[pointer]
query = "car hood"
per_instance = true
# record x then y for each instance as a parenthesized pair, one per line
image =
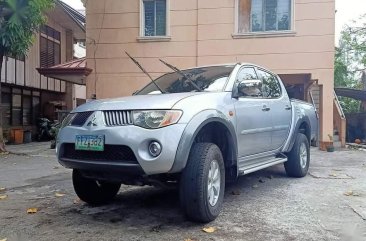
(136, 102)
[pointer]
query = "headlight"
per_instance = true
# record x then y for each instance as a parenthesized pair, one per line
(156, 118)
(67, 121)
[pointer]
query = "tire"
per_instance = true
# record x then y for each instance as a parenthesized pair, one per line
(197, 181)
(298, 161)
(92, 191)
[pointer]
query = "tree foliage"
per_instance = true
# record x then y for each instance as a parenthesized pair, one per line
(350, 61)
(341, 73)
(19, 20)
(354, 41)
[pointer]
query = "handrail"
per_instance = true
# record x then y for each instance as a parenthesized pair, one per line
(338, 105)
(313, 102)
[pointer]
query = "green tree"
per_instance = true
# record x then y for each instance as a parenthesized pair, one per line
(341, 73)
(19, 20)
(354, 39)
(350, 61)
(345, 77)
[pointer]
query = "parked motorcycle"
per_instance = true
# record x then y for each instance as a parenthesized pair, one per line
(54, 132)
(47, 131)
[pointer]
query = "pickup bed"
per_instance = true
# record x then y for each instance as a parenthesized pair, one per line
(196, 129)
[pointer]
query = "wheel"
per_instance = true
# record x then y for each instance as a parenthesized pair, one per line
(202, 183)
(298, 161)
(92, 191)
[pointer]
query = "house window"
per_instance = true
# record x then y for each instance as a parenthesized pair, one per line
(154, 17)
(36, 106)
(50, 47)
(264, 15)
(6, 102)
(27, 107)
(21, 107)
(16, 111)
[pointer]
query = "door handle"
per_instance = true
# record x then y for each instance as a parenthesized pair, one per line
(266, 108)
(288, 107)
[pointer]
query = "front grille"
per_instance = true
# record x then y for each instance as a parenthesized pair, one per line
(81, 118)
(117, 153)
(118, 117)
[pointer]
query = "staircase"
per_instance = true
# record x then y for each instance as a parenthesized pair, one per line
(336, 140)
(339, 120)
(315, 95)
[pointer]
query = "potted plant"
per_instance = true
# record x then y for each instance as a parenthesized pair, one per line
(330, 147)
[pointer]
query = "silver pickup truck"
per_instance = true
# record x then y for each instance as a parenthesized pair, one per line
(196, 128)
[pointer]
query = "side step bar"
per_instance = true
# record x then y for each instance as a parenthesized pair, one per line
(268, 163)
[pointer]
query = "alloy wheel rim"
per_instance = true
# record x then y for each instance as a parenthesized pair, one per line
(303, 155)
(214, 183)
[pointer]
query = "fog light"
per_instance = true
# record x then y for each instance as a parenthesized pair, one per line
(155, 148)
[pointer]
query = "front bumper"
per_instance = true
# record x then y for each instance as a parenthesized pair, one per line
(136, 138)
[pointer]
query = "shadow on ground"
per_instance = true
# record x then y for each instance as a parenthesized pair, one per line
(147, 206)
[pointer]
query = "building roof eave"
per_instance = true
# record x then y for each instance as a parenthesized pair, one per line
(73, 72)
(69, 18)
(75, 15)
(351, 93)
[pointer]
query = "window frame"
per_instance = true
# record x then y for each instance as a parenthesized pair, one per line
(55, 39)
(238, 34)
(26, 93)
(16, 92)
(142, 36)
(7, 106)
(12, 90)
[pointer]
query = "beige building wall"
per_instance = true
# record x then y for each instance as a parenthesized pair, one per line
(204, 32)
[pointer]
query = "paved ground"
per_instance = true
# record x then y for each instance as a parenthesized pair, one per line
(328, 204)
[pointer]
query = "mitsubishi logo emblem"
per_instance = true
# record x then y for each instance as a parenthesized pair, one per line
(95, 119)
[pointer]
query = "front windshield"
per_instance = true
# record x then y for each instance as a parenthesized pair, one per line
(210, 79)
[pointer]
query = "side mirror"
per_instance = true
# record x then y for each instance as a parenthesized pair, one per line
(251, 88)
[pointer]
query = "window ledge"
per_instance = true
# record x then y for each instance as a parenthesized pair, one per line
(154, 38)
(264, 34)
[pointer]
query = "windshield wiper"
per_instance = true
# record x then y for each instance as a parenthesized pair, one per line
(143, 70)
(175, 69)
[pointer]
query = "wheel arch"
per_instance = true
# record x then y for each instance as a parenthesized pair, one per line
(200, 123)
(305, 129)
(302, 126)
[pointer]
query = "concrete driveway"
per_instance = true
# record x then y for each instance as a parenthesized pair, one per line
(328, 204)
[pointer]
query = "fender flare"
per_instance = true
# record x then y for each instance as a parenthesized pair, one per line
(304, 119)
(193, 128)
